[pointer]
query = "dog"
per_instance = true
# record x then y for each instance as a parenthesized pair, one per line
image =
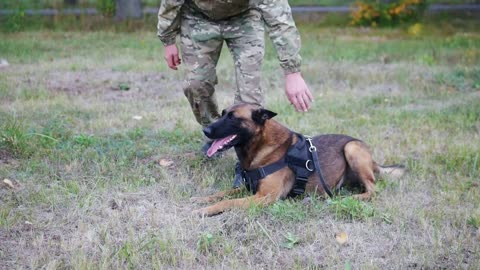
(260, 141)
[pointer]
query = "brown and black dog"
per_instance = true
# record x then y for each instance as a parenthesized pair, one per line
(259, 141)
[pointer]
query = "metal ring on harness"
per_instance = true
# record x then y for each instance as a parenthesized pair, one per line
(306, 165)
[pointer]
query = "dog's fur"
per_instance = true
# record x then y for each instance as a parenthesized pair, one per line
(260, 141)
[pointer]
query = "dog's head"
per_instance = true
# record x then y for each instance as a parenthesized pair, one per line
(238, 124)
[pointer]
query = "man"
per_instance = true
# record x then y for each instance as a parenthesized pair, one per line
(204, 25)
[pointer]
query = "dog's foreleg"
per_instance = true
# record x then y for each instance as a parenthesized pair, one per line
(236, 203)
(215, 197)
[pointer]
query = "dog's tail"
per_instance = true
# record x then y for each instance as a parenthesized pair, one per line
(392, 171)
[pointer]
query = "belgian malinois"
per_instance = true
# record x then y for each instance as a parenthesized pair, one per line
(259, 141)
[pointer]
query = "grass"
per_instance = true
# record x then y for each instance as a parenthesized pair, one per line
(83, 153)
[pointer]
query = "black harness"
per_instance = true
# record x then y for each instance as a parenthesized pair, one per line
(299, 159)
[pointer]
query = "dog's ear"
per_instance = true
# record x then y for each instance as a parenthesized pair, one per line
(261, 115)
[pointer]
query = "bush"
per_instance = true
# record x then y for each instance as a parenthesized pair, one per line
(380, 13)
(106, 7)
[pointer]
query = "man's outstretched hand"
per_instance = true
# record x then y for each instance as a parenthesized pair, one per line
(297, 92)
(171, 56)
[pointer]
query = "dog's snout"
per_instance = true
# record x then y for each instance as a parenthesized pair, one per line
(207, 131)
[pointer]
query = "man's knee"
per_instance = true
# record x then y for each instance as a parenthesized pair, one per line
(198, 89)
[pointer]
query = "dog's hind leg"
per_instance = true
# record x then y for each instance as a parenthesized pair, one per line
(215, 197)
(362, 165)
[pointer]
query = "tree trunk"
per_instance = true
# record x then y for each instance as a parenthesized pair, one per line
(129, 9)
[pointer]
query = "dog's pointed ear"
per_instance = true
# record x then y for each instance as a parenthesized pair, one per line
(261, 115)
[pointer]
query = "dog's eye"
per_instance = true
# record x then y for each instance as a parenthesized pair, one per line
(230, 115)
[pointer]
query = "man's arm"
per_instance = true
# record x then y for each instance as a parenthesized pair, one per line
(168, 28)
(278, 18)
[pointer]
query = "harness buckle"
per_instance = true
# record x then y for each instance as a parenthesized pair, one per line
(308, 167)
(312, 147)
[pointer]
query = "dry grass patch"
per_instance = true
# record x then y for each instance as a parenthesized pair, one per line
(103, 151)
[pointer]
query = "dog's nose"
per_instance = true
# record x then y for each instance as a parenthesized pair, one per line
(207, 131)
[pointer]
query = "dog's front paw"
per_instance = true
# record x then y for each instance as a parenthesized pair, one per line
(200, 199)
(200, 212)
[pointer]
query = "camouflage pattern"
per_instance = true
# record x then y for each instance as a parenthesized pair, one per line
(204, 26)
(201, 44)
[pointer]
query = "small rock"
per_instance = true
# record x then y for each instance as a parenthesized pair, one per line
(4, 63)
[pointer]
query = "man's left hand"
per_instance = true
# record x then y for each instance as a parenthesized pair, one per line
(297, 92)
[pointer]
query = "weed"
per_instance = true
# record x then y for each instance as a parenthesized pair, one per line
(290, 240)
(15, 138)
(474, 221)
(84, 140)
(288, 210)
(351, 209)
(205, 242)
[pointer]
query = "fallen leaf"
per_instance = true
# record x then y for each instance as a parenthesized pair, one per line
(341, 237)
(165, 162)
(137, 117)
(8, 183)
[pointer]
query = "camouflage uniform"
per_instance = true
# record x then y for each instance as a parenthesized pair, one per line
(205, 24)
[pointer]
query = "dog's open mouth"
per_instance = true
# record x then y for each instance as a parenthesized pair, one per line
(220, 145)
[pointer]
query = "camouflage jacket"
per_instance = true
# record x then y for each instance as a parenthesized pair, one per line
(276, 14)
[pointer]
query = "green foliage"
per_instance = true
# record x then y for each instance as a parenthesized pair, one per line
(290, 240)
(15, 138)
(351, 209)
(288, 210)
(381, 13)
(474, 221)
(124, 86)
(84, 140)
(205, 242)
(106, 7)
(460, 159)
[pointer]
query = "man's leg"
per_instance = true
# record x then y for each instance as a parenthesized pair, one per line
(245, 37)
(201, 44)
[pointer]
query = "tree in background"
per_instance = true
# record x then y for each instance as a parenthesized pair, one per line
(70, 2)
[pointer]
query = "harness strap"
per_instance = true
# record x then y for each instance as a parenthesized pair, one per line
(319, 170)
(253, 177)
(298, 163)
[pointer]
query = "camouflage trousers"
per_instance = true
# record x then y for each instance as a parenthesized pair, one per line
(201, 44)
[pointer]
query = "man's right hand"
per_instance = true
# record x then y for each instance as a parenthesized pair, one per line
(171, 56)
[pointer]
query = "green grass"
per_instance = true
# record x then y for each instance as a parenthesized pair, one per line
(90, 191)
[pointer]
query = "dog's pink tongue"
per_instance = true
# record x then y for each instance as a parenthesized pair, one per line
(216, 145)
